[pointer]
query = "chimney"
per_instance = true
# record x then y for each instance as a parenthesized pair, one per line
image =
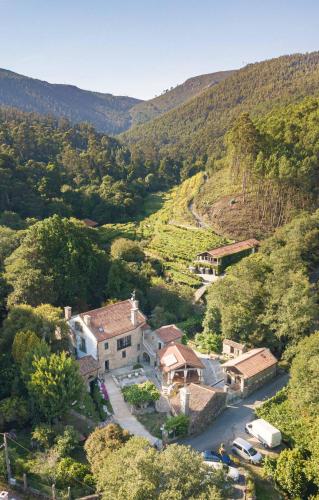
(67, 313)
(87, 319)
(134, 311)
(184, 395)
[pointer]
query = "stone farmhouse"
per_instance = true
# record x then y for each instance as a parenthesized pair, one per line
(117, 335)
(217, 260)
(249, 371)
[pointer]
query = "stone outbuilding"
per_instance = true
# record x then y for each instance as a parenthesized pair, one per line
(179, 364)
(89, 369)
(201, 403)
(248, 372)
(233, 349)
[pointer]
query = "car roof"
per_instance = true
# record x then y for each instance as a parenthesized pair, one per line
(242, 442)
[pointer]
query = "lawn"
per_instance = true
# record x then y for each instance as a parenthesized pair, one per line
(153, 423)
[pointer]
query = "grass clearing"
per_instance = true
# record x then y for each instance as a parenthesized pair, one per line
(153, 422)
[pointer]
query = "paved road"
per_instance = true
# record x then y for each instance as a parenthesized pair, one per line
(231, 423)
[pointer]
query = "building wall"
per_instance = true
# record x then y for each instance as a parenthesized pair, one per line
(90, 340)
(115, 357)
(253, 383)
(236, 351)
(203, 419)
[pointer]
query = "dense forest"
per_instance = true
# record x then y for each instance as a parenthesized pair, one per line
(50, 167)
(107, 113)
(196, 129)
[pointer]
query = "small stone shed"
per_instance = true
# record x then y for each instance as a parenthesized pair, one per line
(251, 370)
(88, 367)
(233, 349)
(201, 403)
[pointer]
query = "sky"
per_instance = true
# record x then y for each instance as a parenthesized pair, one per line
(141, 47)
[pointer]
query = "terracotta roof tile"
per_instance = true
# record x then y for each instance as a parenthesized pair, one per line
(90, 222)
(87, 365)
(233, 248)
(113, 320)
(174, 356)
(232, 343)
(252, 362)
(169, 333)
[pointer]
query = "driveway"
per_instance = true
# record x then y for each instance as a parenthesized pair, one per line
(231, 423)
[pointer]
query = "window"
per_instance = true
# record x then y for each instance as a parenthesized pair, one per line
(107, 365)
(106, 345)
(82, 345)
(78, 326)
(124, 342)
(232, 349)
(123, 354)
(138, 347)
(159, 346)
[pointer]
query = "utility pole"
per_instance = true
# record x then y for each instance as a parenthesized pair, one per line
(6, 452)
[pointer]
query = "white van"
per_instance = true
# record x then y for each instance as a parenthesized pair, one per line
(266, 433)
(246, 451)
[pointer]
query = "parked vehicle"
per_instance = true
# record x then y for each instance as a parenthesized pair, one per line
(214, 456)
(246, 451)
(267, 434)
(214, 460)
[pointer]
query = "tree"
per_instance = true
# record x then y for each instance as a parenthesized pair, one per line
(304, 381)
(14, 411)
(59, 262)
(43, 320)
(177, 425)
(140, 394)
(66, 443)
(23, 343)
(102, 442)
(290, 473)
(54, 384)
(136, 471)
(128, 250)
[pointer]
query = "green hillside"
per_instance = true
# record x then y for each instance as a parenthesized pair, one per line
(197, 127)
(170, 99)
(108, 113)
(266, 176)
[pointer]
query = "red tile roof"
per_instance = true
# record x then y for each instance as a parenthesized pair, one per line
(232, 248)
(200, 396)
(252, 362)
(90, 222)
(169, 333)
(113, 320)
(232, 343)
(175, 356)
(87, 365)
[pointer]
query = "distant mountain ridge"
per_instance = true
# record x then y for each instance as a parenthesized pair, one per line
(196, 128)
(147, 110)
(107, 113)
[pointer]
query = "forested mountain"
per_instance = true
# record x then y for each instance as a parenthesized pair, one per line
(197, 128)
(174, 97)
(48, 166)
(108, 113)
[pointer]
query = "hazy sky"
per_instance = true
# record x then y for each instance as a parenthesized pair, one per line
(140, 47)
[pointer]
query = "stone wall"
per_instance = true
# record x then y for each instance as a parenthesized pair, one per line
(259, 380)
(201, 420)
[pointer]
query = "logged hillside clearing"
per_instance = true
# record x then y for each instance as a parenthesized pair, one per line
(197, 128)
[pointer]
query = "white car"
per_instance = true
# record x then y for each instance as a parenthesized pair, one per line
(246, 451)
(231, 472)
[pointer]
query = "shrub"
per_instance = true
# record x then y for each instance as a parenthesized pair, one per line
(137, 366)
(177, 425)
(128, 250)
(139, 394)
(208, 342)
(70, 472)
(13, 411)
(67, 442)
(43, 434)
